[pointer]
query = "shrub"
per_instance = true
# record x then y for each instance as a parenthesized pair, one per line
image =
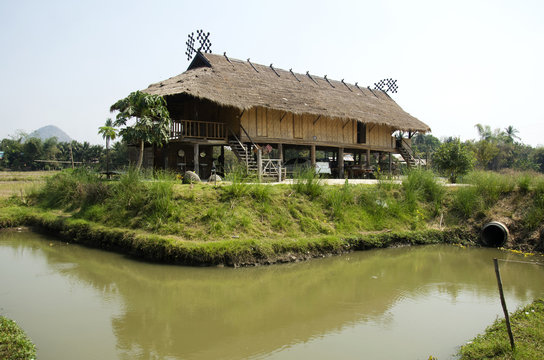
(453, 159)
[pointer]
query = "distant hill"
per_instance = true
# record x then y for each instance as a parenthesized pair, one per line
(50, 131)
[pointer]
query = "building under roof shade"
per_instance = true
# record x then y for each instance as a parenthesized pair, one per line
(221, 101)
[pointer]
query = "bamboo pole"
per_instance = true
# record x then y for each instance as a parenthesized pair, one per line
(503, 303)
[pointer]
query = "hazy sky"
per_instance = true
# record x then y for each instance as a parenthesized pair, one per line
(457, 63)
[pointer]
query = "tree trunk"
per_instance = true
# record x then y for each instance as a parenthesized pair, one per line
(108, 157)
(141, 155)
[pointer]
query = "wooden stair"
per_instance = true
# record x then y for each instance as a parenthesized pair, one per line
(407, 154)
(244, 154)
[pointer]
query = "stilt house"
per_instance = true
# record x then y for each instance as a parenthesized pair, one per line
(256, 109)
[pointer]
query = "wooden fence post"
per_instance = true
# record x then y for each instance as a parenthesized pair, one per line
(503, 303)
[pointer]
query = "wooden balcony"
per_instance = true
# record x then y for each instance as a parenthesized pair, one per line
(191, 129)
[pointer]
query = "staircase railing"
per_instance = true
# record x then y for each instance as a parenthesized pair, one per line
(246, 157)
(402, 143)
(253, 145)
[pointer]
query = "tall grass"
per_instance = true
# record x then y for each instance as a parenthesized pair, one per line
(422, 185)
(308, 182)
(72, 189)
(535, 214)
(239, 180)
(491, 185)
(337, 198)
(484, 189)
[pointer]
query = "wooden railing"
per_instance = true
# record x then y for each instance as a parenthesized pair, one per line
(182, 129)
(402, 143)
(273, 167)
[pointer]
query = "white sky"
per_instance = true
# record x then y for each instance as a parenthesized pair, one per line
(457, 63)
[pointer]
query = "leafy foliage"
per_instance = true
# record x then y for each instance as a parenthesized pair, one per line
(14, 344)
(152, 120)
(453, 159)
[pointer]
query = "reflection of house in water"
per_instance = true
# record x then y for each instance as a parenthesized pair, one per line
(260, 111)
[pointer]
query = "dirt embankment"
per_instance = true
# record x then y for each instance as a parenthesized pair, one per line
(513, 211)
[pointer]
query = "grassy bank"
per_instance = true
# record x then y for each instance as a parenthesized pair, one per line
(527, 328)
(14, 344)
(238, 223)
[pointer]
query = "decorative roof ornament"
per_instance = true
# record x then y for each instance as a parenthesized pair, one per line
(386, 85)
(203, 39)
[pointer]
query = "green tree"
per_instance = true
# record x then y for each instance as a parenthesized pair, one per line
(13, 150)
(484, 132)
(537, 158)
(511, 134)
(109, 133)
(424, 144)
(152, 120)
(485, 152)
(119, 154)
(453, 159)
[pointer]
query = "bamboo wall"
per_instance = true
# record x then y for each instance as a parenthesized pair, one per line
(264, 124)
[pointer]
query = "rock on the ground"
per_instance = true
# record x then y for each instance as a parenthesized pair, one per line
(190, 177)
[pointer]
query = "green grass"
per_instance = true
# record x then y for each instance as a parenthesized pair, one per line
(527, 328)
(14, 344)
(241, 212)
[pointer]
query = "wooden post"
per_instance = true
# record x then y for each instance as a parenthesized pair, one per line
(390, 165)
(196, 154)
(222, 160)
(503, 303)
(312, 156)
(368, 158)
(340, 163)
(259, 164)
(71, 156)
(280, 150)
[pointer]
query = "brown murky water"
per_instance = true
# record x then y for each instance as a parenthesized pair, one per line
(406, 303)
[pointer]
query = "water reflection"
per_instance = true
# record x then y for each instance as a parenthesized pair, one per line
(204, 313)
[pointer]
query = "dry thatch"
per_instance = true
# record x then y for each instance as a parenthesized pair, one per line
(244, 85)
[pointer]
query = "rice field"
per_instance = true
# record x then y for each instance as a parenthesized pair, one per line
(21, 182)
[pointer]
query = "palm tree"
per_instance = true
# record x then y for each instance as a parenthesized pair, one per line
(510, 133)
(152, 120)
(484, 132)
(108, 132)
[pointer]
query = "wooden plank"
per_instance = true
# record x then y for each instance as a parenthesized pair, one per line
(297, 127)
(261, 123)
(286, 127)
(308, 127)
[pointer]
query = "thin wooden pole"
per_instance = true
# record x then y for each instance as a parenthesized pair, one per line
(503, 303)
(340, 163)
(196, 154)
(390, 165)
(71, 156)
(259, 164)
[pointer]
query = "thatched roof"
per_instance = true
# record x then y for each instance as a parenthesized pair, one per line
(244, 85)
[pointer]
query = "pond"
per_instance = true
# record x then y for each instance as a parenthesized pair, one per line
(402, 303)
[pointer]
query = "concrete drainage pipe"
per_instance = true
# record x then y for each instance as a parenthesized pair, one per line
(494, 234)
